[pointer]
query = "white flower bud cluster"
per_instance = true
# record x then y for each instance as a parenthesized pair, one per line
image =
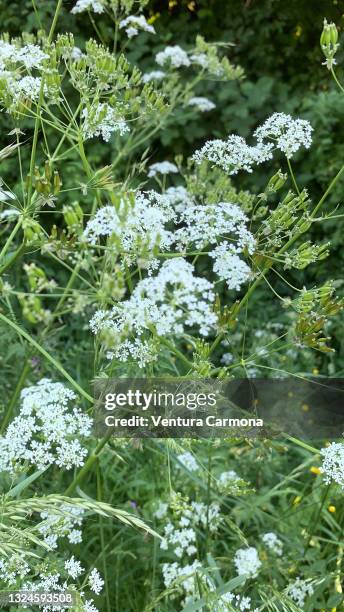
(188, 460)
(88, 5)
(246, 561)
(134, 23)
(299, 590)
(173, 56)
(154, 75)
(46, 431)
(333, 463)
(273, 543)
(102, 120)
(163, 168)
(202, 104)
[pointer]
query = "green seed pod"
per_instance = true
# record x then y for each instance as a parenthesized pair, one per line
(57, 182)
(277, 181)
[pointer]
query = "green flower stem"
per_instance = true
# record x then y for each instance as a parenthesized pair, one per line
(293, 176)
(21, 332)
(302, 444)
(11, 238)
(336, 80)
(15, 395)
(13, 258)
(177, 352)
(88, 465)
(39, 106)
(102, 540)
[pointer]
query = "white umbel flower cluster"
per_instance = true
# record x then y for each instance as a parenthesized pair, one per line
(185, 575)
(227, 478)
(31, 56)
(12, 568)
(154, 75)
(28, 88)
(168, 303)
(74, 567)
(286, 134)
(102, 120)
(188, 460)
(88, 5)
(237, 602)
(273, 543)
(64, 524)
(173, 56)
(202, 104)
(134, 225)
(135, 23)
(46, 431)
(229, 266)
(299, 590)
(333, 463)
(280, 131)
(204, 224)
(246, 561)
(163, 168)
(95, 581)
(233, 154)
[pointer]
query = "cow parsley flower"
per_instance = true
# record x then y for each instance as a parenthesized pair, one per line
(167, 303)
(202, 104)
(299, 590)
(236, 602)
(88, 606)
(182, 540)
(333, 463)
(164, 168)
(285, 133)
(31, 56)
(233, 154)
(174, 56)
(272, 542)
(88, 5)
(95, 581)
(46, 430)
(247, 562)
(173, 571)
(12, 568)
(188, 460)
(178, 197)
(229, 266)
(73, 567)
(154, 75)
(161, 510)
(227, 359)
(135, 226)
(206, 224)
(27, 87)
(227, 478)
(102, 120)
(56, 526)
(134, 23)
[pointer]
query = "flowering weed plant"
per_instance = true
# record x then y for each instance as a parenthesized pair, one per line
(117, 262)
